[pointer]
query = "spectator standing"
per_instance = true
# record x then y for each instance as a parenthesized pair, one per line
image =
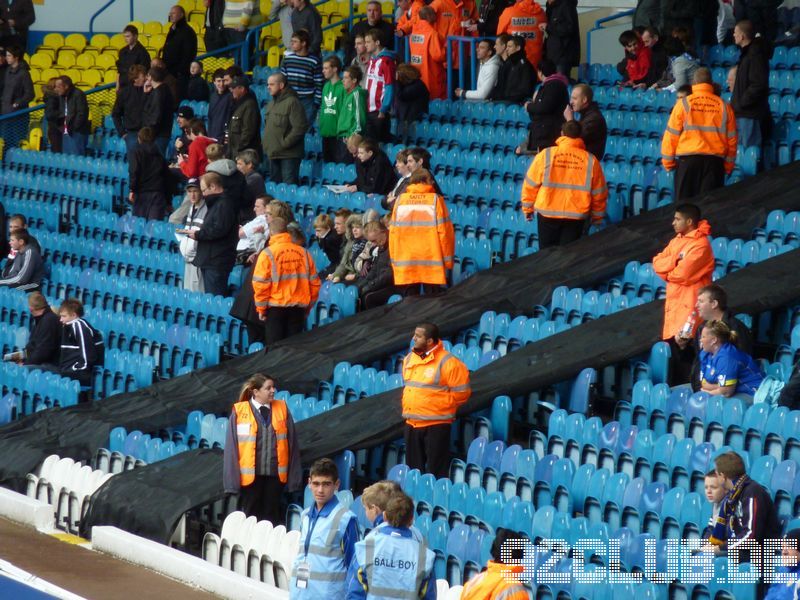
(285, 126)
(563, 43)
(750, 95)
(428, 53)
(374, 20)
(422, 240)
(499, 580)
(158, 107)
(17, 85)
(148, 175)
(648, 14)
(132, 53)
(262, 453)
(700, 140)
(214, 34)
(374, 172)
(192, 278)
(220, 104)
(52, 115)
(245, 121)
(303, 71)
(44, 344)
(195, 164)
(411, 100)
(489, 67)
(763, 14)
(16, 18)
(197, 89)
(679, 13)
(128, 110)
(246, 163)
(517, 78)
(436, 384)
(81, 344)
(281, 10)
(306, 16)
(583, 108)
(27, 270)
(328, 536)
(724, 369)
(169, 81)
(285, 284)
(376, 282)
(180, 48)
(239, 16)
(361, 58)
(73, 106)
(332, 100)
(393, 561)
(526, 19)
(546, 110)
(686, 264)
(217, 238)
(353, 113)
(380, 87)
(636, 64)
(565, 185)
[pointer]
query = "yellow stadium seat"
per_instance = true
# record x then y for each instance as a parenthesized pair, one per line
(48, 74)
(35, 139)
(110, 76)
(387, 8)
(92, 77)
(85, 61)
(36, 74)
(343, 8)
(47, 52)
(329, 40)
(75, 40)
(73, 74)
(139, 25)
(266, 6)
(197, 21)
(99, 41)
(105, 61)
(116, 41)
(152, 27)
(157, 40)
(65, 58)
(41, 60)
(274, 57)
(53, 40)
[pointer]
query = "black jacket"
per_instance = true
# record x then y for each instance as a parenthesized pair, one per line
(128, 109)
(755, 518)
(180, 49)
(659, 61)
(76, 108)
(79, 352)
(158, 110)
(197, 89)
(52, 113)
(380, 275)
(516, 80)
(750, 96)
(17, 89)
(563, 43)
(790, 394)
(147, 170)
(331, 245)
(44, 344)
(547, 114)
(217, 238)
(411, 100)
(679, 13)
(244, 126)
(376, 175)
(219, 113)
(648, 14)
(594, 131)
(21, 12)
(489, 15)
(362, 27)
(129, 57)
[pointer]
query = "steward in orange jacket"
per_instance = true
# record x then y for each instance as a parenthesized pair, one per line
(450, 14)
(525, 19)
(426, 48)
(686, 264)
(421, 235)
(436, 384)
(409, 17)
(565, 183)
(700, 139)
(501, 580)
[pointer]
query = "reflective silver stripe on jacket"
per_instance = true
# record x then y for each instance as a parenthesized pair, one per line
(419, 578)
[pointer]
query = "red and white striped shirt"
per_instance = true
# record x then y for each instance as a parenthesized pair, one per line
(380, 73)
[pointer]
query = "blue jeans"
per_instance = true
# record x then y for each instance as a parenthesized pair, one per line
(749, 132)
(311, 110)
(215, 281)
(130, 143)
(285, 170)
(74, 143)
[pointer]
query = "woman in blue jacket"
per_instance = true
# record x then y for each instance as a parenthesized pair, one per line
(724, 369)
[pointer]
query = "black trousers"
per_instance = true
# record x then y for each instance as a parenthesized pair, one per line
(282, 323)
(334, 150)
(377, 298)
(698, 174)
(378, 129)
(428, 449)
(262, 499)
(558, 232)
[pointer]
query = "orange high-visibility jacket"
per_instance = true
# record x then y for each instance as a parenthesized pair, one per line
(426, 48)
(449, 16)
(523, 19)
(247, 432)
(495, 583)
(435, 386)
(285, 275)
(700, 123)
(686, 264)
(410, 17)
(565, 182)
(421, 237)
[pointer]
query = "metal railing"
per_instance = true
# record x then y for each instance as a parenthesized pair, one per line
(599, 25)
(101, 10)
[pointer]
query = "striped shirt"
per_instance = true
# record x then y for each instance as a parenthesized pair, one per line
(240, 13)
(380, 82)
(305, 75)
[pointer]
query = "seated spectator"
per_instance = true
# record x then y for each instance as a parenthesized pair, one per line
(788, 569)
(715, 492)
(636, 64)
(253, 234)
(234, 182)
(149, 178)
(81, 344)
(374, 173)
(354, 246)
(658, 57)
(790, 394)
(724, 369)
(420, 158)
(18, 222)
(27, 269)
(517, 77)
(246, 163)
(411, 100)
(680, 69)
(378, 285)
(352, 143)
(195, 215)
(594, 130)
(129, 107)
(44, 344)
(197, 89)
(683, 91)
(353, 114)
(546, 110)
(401, 167)
(194, 165)
(328, 239)
(488, 70)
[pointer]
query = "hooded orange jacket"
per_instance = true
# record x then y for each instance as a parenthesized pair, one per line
(449, 16)
(421, 237)
(409, 18)
(524, 19)
(565, 182)
(700, 123)
(686, 264)
(495, 583)
(285, 275)
(426, 48)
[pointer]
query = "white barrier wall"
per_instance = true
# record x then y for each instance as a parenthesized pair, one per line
(27, 511)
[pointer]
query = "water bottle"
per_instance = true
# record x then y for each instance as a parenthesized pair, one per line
(688, 327)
